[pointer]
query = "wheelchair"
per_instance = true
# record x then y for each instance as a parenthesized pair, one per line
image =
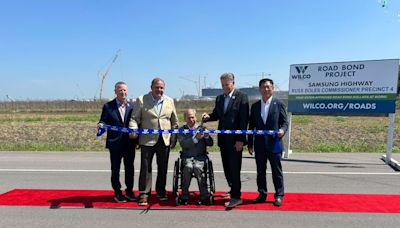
(177, 179)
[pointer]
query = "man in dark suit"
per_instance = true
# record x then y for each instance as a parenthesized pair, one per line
(232, 111)
(118, 113)
(269, 113)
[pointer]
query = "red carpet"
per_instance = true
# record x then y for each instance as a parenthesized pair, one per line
(319, 202)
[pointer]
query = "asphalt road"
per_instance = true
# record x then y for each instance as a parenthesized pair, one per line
(306, 172)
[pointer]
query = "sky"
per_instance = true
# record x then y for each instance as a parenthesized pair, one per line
(54, 49)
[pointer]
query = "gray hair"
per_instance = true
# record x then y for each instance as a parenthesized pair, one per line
(189, 110)
(119, 83)
(227, 76)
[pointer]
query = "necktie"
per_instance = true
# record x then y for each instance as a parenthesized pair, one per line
(226, 102)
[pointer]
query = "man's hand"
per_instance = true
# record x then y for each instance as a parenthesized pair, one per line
(205, 117)
(250, 149)
(172, 145)
(239, 146)
(100, 125)
(281, 133)
(173, 140)
(133, 135)
(199, 136)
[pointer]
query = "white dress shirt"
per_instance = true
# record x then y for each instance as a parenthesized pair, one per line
(122, 109)
(265, 109)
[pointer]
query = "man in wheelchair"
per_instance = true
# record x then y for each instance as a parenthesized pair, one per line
(194, 158)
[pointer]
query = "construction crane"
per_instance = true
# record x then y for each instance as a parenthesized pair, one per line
(103, 76)
(197, 84)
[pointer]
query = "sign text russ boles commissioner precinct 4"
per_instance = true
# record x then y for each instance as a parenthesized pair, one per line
(344, 87)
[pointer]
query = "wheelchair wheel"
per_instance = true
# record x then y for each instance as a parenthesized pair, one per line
(175, 179)
(177, 200)
(212, 199)
(211, 178)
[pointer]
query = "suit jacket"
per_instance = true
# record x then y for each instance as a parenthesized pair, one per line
(235, 118)
(276, 120)
(144, 115)
(110, 115)
(191, 149)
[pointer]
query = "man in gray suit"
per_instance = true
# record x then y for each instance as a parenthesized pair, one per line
(154, 111)
(194, 156)
(269, 113)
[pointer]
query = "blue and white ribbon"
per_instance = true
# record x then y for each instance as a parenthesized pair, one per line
(141, 131)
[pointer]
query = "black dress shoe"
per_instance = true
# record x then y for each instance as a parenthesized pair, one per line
(119, 198)
(183, 202)
(202, 202)
(278, 202)
(162, 197)
(131, 197)
(259, 199)
(233, 203)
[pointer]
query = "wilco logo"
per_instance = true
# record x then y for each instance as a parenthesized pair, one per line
(301, 70)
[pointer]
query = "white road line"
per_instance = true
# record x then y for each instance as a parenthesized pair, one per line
(170, 171)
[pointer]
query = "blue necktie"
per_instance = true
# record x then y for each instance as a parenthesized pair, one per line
(226, 102)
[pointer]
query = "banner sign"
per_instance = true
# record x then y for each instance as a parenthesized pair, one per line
(344, 87)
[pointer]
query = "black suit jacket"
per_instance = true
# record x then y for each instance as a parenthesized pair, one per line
(236, 116)
(276, 120)
(111, 116)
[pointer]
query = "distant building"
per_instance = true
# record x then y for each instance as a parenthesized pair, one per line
(210, 92)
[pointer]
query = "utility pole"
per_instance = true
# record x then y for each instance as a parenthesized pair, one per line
(197, 84)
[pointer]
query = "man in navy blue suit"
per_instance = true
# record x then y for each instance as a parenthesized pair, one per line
(269, 113)
(118, 113)
(232, 112)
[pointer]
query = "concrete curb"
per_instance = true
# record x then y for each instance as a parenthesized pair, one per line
(393, 163)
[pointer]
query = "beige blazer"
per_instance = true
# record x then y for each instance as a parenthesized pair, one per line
(144, 115)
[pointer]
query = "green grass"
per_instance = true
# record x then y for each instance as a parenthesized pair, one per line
(26, 119)
(301, 119)
(76, 118)
(341, 118)
(378, 129)
(64, 118)
(32, 147)
(345, 147)
(46, 147)
(370, 130)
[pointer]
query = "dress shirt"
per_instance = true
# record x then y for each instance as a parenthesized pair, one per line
(158, 104)
(122, 108)
(265, 109)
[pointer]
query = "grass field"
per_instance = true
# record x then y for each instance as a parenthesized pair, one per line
(63, 130)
